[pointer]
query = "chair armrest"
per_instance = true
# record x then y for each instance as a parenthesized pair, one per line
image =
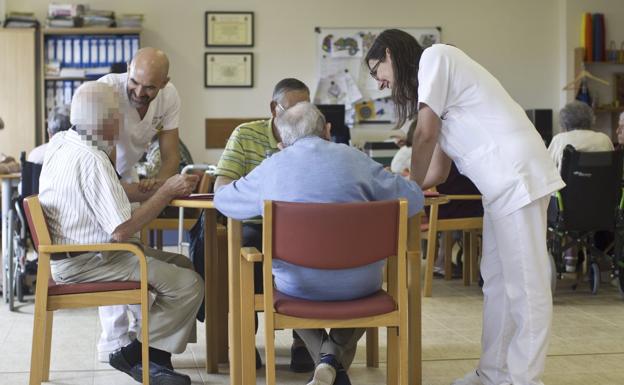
(251, 254)
(131, 247)
(464, 197)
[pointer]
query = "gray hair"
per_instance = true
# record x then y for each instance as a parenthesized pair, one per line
(287, 85)
(301, 120)
(58, 119)
(576, 115)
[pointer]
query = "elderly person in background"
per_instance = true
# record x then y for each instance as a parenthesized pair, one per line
(58, 120)
(620, 131)
(576, 120)
(310, 168)
(84, 202)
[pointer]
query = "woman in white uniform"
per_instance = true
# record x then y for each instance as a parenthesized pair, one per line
(465, 115)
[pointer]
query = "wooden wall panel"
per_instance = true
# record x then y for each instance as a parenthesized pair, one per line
(218, 130)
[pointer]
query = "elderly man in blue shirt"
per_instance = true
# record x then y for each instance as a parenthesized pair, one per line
(310, 168)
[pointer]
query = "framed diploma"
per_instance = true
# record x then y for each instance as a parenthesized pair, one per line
(228, 69)
(229, 29)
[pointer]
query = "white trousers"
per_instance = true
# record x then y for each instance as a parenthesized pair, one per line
(517, 308)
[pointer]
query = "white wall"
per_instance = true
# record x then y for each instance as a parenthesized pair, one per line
(518, 41)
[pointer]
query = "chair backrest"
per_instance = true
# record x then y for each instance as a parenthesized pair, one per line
(30, 176)
(334, 235)
(36, 221)
(591, 196)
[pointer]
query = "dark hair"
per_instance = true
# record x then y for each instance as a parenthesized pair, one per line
(405, 52)
(287, 85)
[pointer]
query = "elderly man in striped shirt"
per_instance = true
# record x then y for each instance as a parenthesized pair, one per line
(84, 202)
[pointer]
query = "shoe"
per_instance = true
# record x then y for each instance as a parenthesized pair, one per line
(471, 378)
(258, 360)
(342, 378)
(324, 374)
(159, 375)
(300, 359)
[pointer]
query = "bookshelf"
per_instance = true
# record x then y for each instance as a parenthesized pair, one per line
(607, 114)
(91, 56)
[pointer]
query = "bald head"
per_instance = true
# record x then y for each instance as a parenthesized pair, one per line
(147, 75)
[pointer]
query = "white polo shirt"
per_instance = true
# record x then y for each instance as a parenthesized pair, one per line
(486, 133)
(135, 134)
(79, 192)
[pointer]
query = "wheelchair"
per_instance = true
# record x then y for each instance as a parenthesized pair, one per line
(17, 267)
(589, 203)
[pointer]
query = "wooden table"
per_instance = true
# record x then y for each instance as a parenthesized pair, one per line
(9, 181)
(242, 305)
(215, 286)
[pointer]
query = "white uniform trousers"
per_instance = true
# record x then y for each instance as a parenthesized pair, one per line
(517, 308)
(178, 291)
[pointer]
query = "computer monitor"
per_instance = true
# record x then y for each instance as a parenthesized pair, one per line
(335, 114)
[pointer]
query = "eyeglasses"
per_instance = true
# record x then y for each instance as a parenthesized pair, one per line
(373, 71)
(280, 107)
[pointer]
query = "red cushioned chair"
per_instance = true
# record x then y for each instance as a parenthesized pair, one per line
(337, 236)
(50, 296)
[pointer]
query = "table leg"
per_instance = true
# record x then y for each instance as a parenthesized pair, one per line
(432, 236)
(234, 244)
(414, 302)
(6, 203)
(211, 290)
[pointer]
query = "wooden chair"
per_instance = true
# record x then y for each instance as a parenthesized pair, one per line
(51, 296)
(470, 226)
(334, 236)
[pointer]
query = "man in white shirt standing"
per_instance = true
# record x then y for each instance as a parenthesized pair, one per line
(149, 105)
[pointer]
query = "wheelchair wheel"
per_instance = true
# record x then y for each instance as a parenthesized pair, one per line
(554, 275)
(594, 277)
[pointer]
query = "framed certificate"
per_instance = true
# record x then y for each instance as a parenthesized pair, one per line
(228, 69)
(229, 29)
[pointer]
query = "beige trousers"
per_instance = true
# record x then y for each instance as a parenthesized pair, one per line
(178, 289)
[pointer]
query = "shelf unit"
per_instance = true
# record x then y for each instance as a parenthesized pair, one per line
(46, 33)
(606, 69)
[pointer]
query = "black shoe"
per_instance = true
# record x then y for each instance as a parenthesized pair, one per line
(300, 359)
(159, 375)
(258, 360)
(342, 378)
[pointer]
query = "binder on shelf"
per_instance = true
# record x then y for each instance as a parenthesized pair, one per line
(77, 42)
(50, 44)
(49, 95)
(59, 96)
(127, 48)
(102, 51)
(67, 89)
(69, 57)
(119, 56)
(135, 45)
(93, 56)
(110, 52)
(86, 49)
(60, 50)
(75, 86)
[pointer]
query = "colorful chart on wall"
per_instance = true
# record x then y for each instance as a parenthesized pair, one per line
(344, 79)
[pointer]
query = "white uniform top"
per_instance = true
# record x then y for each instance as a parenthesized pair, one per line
(80, 194)
(486, 133)
(581, 140)
(135, 134)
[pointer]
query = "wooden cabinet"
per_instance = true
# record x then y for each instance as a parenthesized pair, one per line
(18, 82)
(87, 45)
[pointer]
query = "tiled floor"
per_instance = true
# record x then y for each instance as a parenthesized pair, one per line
(587, 345)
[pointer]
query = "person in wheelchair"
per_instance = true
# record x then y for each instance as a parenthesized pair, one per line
(576, 120)
(58, 120)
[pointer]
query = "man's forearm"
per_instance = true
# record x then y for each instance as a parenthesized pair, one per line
(135, 195)
(142, 216)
